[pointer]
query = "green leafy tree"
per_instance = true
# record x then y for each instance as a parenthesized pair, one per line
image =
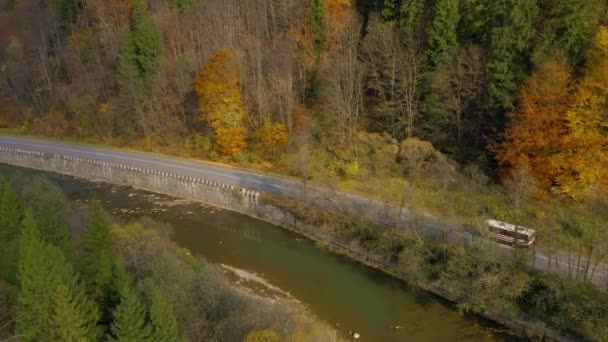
(130, 318)
(511, 34)
(163, 325)
(443, 38)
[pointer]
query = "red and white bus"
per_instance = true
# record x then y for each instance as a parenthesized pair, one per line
(510, 234)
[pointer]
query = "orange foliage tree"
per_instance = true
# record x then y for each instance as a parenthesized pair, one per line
(533, 138)
(271, 138)
(562, 136)
(221, 103)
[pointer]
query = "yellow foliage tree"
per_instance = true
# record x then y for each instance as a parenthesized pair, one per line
(271, 138)
(585, 154)
(559, 135)
(221, 103)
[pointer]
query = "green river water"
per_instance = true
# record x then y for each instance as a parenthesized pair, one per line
(347, 295)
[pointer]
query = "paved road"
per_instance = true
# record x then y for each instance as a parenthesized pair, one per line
(348, 204)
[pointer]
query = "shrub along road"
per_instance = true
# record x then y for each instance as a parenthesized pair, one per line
(351, 205)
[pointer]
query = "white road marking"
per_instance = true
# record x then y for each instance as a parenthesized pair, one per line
(150, 162)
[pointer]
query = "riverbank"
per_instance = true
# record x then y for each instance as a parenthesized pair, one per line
(292, 216)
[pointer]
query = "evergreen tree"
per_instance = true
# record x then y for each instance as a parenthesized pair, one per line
(475, 20)
(444, 36)
(317, 18)
(69, 323)
(68, 11)
(42, 269)
(50, 207)
(570, 28)
(147, 42)
(510, 38)
(130, 318)
(410, 19)
(11, 214)
(163, 324)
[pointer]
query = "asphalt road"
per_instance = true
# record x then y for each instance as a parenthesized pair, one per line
(349, 204)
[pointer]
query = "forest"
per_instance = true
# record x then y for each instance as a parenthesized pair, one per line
(72, 272)
(464, 109)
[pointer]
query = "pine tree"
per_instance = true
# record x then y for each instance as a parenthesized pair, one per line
(50, 207)
(163, 324)
(475, 20)
(147, 42)
(317, 18)
(570, 28)
(444, 36)
(130, 318)
(69, 323)
(42, 269)
(410, 19)
(11, 215)
(510, 38)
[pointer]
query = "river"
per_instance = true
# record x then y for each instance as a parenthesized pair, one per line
(347, 295)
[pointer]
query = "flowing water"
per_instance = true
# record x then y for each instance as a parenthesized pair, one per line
(347, 295)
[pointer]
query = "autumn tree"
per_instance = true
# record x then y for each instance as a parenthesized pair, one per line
(395, 75)
(221, 104)
(455, 103)
(271, 138)
(534, 136)
(584, 155)
(344, 87)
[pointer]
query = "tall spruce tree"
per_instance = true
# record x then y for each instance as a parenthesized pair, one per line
(42, 269)
(508, 56)
(163, 325)
(147, 42)
(317, 19)
(130, 318)
(69, 321)
(99, 265)
(444, 36)
(50, 207)
(11, 215)
(570, 28)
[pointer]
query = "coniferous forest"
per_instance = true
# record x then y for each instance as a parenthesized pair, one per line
(72, 272)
